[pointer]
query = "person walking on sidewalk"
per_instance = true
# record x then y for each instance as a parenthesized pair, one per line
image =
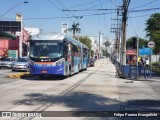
(140, 65)
(147, 62)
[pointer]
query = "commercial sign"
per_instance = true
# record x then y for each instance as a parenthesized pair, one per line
(13, 53)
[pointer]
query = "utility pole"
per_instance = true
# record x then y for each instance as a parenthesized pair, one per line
(100, 52)
(137, 55)
(19, 18)
(116, 29)
(118, 35)
(124, 21)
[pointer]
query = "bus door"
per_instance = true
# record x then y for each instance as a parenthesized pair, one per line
(68, 56)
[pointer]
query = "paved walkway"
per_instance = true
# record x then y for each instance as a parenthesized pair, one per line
(139, 95)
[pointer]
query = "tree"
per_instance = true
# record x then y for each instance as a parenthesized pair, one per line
(142, 42)
(153, 30)
(107, 43)
(75, 28)
(105, 53)
(87, 41)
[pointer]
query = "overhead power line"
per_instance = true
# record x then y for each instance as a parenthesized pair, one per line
(143, 10)
(140, 10)
(145, 4)
(88, 9)
(58, 9)
(113, 3)
(82, 4)
(54, 5)
(68, 16)
(97, 13)
(99, 4)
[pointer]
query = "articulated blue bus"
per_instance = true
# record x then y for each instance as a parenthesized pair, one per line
(57, 54)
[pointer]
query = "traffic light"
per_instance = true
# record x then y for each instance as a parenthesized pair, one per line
(134, 43)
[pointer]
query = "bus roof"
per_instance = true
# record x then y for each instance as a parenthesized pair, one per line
(56, 36)
(48, 36)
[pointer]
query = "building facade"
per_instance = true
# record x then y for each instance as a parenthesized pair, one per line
(10, 41)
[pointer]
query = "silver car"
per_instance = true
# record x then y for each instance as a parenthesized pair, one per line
(21, 64)
(6, 62)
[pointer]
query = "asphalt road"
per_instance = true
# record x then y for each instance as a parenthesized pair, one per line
(3, 74)
(96, 89)
(85, 91)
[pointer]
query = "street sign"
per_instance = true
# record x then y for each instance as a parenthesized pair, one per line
(13, 53)
(151, 44)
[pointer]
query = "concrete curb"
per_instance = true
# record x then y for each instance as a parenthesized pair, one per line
(120, 75)
(18, 75)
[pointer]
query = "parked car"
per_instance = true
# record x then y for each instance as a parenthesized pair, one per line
(21, 64)
(7, 62)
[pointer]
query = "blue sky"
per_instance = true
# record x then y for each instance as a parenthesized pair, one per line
(48, 15)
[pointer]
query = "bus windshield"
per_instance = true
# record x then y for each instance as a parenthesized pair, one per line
(45, 49)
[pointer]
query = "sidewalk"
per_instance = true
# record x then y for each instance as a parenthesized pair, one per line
(139, 95)
(145, 74)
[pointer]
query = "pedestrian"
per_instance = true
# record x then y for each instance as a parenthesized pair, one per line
(147, 62)
(144, 61)
(140, 65)
(127, 59)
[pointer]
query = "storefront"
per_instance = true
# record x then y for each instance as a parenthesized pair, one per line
(130, 56)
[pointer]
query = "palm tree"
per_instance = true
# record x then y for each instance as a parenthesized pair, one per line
(75, 28)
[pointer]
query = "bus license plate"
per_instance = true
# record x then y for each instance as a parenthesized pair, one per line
(44, 71)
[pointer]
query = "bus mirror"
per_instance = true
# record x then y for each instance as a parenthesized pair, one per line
(67, 42)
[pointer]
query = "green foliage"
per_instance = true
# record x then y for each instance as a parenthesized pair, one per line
(142, 42)
(153, 24)
(87, 41)
(153, 30)
(74, 29)
(105, 53)
(156, 63)
(107, 43)
(156, 67)
(92, 52)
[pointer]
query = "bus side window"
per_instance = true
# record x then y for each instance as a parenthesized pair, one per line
(66, 51)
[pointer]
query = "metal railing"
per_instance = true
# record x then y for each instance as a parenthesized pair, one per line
(142, 72)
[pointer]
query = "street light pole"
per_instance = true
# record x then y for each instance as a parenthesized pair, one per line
(100, 42)
(21, 34)
(124, 26)
(137, 54)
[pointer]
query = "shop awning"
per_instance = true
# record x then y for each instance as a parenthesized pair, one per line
(130, 52)
(8, 35)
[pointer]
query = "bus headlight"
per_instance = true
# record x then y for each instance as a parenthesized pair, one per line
(59, 62)
(31, 62)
